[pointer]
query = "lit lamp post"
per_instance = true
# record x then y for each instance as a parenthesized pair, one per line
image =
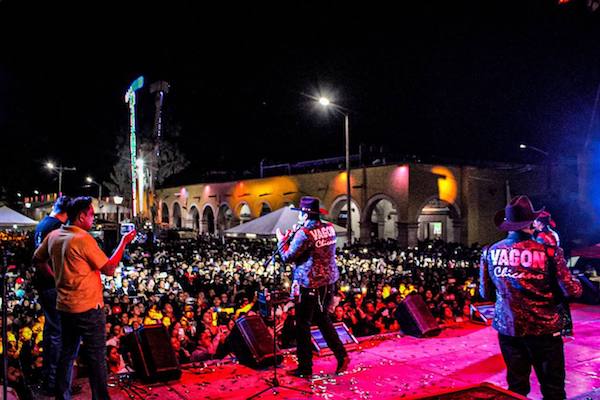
(90, 180)
(325, 102)
(118, 201)
(130, 99)
(140, 180)
(524, 146)
(59, 169)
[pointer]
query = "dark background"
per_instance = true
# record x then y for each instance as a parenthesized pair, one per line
(457, 81)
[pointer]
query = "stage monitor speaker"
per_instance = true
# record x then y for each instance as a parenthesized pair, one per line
(252, 343)
(482, 313)
(415, 318)
(475, 392)
(320, 346)
(151, 354)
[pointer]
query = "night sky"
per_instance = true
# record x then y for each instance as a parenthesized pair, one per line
(459, 82)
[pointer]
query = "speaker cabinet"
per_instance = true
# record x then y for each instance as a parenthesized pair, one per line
(252, 343)
(153, 358)
(415, 318)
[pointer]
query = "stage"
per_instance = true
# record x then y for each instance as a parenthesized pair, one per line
(390, 367)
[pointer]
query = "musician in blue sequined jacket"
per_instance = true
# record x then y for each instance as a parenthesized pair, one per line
(312, 249)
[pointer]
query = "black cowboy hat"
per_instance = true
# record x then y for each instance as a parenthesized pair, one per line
(517, 215)
(310, 205)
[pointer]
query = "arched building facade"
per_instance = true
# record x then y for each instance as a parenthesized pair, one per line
(407, 202)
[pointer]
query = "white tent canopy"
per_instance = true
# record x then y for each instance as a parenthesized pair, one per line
(284, 219)
(10, 218)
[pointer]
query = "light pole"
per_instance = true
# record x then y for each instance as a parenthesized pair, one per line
(118, 200)
(130, 99)
(140, 179)
(524, 146)
(59, 169)
(89, 179)
(325, 102)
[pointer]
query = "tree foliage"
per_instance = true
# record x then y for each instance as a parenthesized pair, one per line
(170, 162)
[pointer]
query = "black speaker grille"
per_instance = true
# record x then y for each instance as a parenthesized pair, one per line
(415, 319)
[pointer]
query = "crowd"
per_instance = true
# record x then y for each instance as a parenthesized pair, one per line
(197, 288)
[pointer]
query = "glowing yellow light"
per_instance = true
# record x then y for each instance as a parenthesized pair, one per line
(447, 184)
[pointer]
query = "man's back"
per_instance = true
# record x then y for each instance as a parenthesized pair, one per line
(313, 251)
(518, 269)
(46, 225)
(77, 260)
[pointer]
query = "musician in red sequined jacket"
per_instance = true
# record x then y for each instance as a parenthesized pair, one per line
(528, 279)
(517, 272)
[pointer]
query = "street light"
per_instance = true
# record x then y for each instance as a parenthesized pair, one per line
(527, 146)
(118, 200)
(325, 102)
(130, 98)
(524, 146)
(60, 169)
(89, 179)
(140, 179)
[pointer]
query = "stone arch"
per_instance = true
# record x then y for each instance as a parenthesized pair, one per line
(244, 212)
(176, 215)
(208, 220)
(380, 218)
(339, 210)
(225, 218)
(194, 218)
(265, 208)
(439, 220)
(164, 213)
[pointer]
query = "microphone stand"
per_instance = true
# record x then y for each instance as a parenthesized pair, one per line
(274, 384)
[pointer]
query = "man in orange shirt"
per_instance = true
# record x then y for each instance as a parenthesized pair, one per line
(77, 262)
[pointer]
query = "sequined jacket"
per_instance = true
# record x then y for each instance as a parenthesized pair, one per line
(312, 249)
(526, 278)
(548, 237)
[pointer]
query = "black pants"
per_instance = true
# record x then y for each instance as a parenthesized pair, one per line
(312, 310)
(545, 354)
(52, 337)
(91, 327)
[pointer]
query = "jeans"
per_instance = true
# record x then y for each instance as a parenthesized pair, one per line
(312, 309)
(51, 342)
(546, 355)
(91, 327)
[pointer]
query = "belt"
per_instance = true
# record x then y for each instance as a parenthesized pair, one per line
(320, 292)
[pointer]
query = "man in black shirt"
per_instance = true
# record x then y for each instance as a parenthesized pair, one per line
(43, 281)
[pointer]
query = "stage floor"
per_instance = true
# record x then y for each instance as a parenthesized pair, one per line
(390, 368)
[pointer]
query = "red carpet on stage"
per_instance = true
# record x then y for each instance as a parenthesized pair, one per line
(393, 367)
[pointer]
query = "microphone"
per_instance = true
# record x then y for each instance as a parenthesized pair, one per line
(290, 233)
